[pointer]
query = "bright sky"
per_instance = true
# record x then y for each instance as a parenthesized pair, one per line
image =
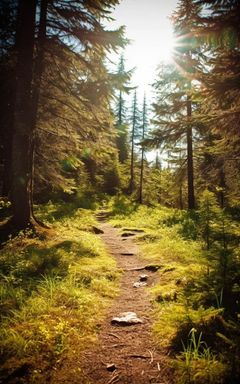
(149, 29)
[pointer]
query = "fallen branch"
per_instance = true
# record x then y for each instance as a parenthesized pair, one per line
(113, 334)
(150, 267)
(138, 356)
(134, 269)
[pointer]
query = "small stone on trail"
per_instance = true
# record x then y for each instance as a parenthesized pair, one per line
(111, 367)
(153, 268)
(127, 254)
(97, 230)
(126, 318)
(127, 234)
(133, 230)
(139, 284)
(143, 277)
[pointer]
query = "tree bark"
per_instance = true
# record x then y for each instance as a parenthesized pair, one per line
(39, 69)
(22, 130)
(191, 198)
(6, 183)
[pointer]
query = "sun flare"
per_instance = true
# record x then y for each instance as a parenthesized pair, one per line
(151, 37)
(146, 54)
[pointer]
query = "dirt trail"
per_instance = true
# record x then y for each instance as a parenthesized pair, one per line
(130, 348)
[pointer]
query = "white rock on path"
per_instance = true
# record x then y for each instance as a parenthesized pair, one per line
(139, 284)
(126, 318)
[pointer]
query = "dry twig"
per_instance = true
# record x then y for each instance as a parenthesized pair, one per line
(113, 334)
(114, 378)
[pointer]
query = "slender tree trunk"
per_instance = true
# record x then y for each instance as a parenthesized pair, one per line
(158, 166)
(120, 108)
(180, 182)
(134, 121)
(191, 198)
(132, 164)
(141, 177)
(121, 128)
(22, 132)
(160, 184)
(142, 153)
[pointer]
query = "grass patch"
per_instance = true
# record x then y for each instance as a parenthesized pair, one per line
(53, 294)
(184, 297)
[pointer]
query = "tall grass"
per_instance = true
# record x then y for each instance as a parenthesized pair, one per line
(53, 291)
(186, 295)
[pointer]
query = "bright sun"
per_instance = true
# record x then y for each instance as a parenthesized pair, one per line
(145, 55)
(151, 38)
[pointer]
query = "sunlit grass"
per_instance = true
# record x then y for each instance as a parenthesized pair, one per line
(181, 292)
(54, 291)
(197, 363)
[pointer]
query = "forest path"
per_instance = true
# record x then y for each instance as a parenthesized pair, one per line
(130, 349)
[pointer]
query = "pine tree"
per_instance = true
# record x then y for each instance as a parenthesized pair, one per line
(60, 21)
(8, 20)
(218, 31)
(22, 132)
(184, 19)
(121, 112)
(135, 122)
(172, 119)
(144, 128)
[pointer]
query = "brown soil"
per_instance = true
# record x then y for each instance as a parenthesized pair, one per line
(131, 349)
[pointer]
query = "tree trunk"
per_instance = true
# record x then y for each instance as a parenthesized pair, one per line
(142, 153)
(120, 108)
(134, 120)
(39, 69)
(141, 177)
(132, 165)
(6, 184)
(22, 132)
(191, 199)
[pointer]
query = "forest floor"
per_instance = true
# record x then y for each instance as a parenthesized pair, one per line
(124, 354)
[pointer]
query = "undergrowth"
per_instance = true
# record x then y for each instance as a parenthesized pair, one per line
(53, 293)
(192, 286)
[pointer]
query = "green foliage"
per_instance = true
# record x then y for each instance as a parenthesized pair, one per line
(197, 364)
(86, 200)
(111, 183)
(190, 291)
(209, 212)
(121, 205)
(220, 237)
(53, 291)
